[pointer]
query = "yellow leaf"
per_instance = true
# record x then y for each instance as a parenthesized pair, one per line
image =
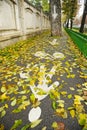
(60, 110)
(40, 82)
(71, 76)
(3, 89)
(70, 96)
(85, 76)
(61, 103)
(65, 114)
(44, 128)
(85, 84)
(77, 102)
(78, 97)
(54, 125)
(55, 93)
(41, 91)
(13, 103)
(67, 70)
(79, 108)
(4, 96)
(40, 74)
(24, 105)
(72, 112)
(78, 85)
(36, 103)
(6, 105)
(3, 113)
(70, 108)
(32, 98)
(32, 82)
(71, 88)
(82, 118)
(67, 63)
(35, 123)
(63, 92)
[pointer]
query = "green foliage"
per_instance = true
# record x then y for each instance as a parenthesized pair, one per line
(43, 3)
(69, 8)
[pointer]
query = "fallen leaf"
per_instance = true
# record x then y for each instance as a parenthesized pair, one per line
(13, 103)
(79, 108)
(70, 108)
(83, 76)
(2, 127)
(72, 113)
(61, 112)
(4, 96)
(63, 92)
(16, 110)
(71, 76)
(3, 89)
(3, 113)
(32, 98)
(17, 123)
(54, 124)
(71, 88)
(44, 128)
(79, 98)
(58, 125)
(85, 98)
(35, 123)
(25, 127)
(82, 118)
(54, 105)
(69, 96)
(60, 103)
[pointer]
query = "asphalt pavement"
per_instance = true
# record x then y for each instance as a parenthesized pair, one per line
(41, 86)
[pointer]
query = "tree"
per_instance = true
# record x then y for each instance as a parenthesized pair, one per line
(69, 9)
(65, 8)
(45, 5)
(55, 14)
(36, 3)
(83, 18)
(55, 17)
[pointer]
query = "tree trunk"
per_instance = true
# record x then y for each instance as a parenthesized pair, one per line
(67, 25)
(82, 23)
(55, 17)
(83, 18)
(71, 23)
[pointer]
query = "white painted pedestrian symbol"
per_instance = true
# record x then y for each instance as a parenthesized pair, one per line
(54, 12)
(43, 77)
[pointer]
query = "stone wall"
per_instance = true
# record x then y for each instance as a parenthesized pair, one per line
(19, 19)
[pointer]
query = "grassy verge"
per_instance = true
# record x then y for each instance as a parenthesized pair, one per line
(80, 40)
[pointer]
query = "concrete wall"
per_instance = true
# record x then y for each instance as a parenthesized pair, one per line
(19, 19)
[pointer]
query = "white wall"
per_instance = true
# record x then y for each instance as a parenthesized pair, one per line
(18, 18)
(7, 17)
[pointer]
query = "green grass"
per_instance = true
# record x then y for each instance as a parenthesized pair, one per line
(79, 39)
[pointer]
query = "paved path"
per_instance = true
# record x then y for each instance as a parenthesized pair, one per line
(41, 80)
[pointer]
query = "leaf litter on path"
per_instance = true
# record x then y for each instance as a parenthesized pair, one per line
(21, 68)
